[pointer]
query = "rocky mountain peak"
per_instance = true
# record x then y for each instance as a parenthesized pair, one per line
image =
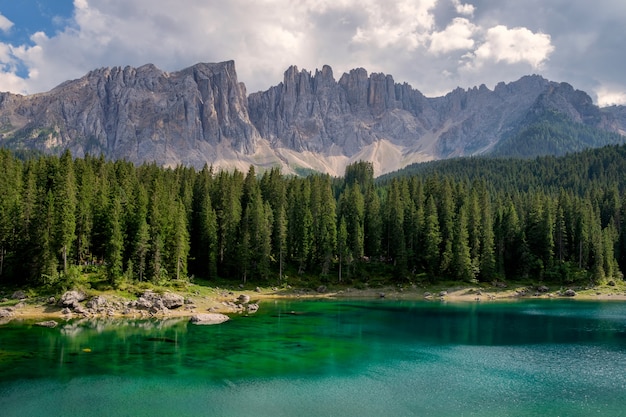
(202, 114)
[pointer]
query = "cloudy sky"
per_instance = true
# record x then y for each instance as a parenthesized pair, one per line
(434, 45)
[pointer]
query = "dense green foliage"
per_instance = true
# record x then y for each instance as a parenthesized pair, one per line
(551, 219)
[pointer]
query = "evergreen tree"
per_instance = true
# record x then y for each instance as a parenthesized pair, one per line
(461, 264)
(372, 224)
(396, 243)
(10, 186)
(65, 205)
(432, 239)
(115, 240)
(342, 246)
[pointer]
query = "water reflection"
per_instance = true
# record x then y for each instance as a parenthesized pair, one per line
(303, 338)
(514, 323)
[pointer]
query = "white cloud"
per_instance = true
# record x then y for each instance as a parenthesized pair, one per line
(463, 9)
(512, 46)
(5, 24)
(403, 23)
(418, 41)
(457, 36)
(610, 95)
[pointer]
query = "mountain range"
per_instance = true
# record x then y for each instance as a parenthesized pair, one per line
(308, 122)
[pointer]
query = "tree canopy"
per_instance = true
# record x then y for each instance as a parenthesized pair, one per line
(549, 219)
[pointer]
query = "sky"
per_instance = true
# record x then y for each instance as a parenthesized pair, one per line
(434, 45)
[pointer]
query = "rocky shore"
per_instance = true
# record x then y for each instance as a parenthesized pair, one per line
(223, 303)
(150, 304)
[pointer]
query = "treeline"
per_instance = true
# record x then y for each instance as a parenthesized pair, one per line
(59, 215)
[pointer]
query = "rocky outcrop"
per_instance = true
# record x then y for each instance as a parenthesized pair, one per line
(140, 114)
(202, 115)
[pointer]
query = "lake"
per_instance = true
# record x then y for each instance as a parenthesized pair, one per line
(327, 358)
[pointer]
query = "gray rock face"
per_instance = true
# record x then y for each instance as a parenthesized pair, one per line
(141, 114)
(202, 114)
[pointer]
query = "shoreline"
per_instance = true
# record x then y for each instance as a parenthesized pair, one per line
(229, 301)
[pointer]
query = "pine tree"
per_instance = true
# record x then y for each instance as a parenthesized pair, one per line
(396, 243)
(432, 239)
(372, 224)
(115, 240)
(141, 241)
(461, 264)
(179, 240)
(65, 206)
(325, 228)
(10, 186)
(342, 246)
(487, 263)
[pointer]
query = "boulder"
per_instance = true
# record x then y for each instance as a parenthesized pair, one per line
(97, 303)
(143, 303)
(19, 295)
(244, 299)
(322, 289)
(209, 318)
(71, 298)
(543, 288)
(252, 308)
(569, 293)
(4, 313)
(171, 300)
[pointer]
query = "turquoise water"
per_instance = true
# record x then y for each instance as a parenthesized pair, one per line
(327, 358)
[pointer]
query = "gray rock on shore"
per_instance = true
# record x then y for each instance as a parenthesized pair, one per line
(97, 303)
(71, 298)
(209, 318)
(19, 295)
(152, 301)
(244, 299)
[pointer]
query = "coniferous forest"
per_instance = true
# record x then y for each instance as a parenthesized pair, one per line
(557, 220)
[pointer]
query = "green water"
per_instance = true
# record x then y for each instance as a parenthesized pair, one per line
(327, 358)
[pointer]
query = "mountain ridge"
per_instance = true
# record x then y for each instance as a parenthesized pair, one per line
(310, 121)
